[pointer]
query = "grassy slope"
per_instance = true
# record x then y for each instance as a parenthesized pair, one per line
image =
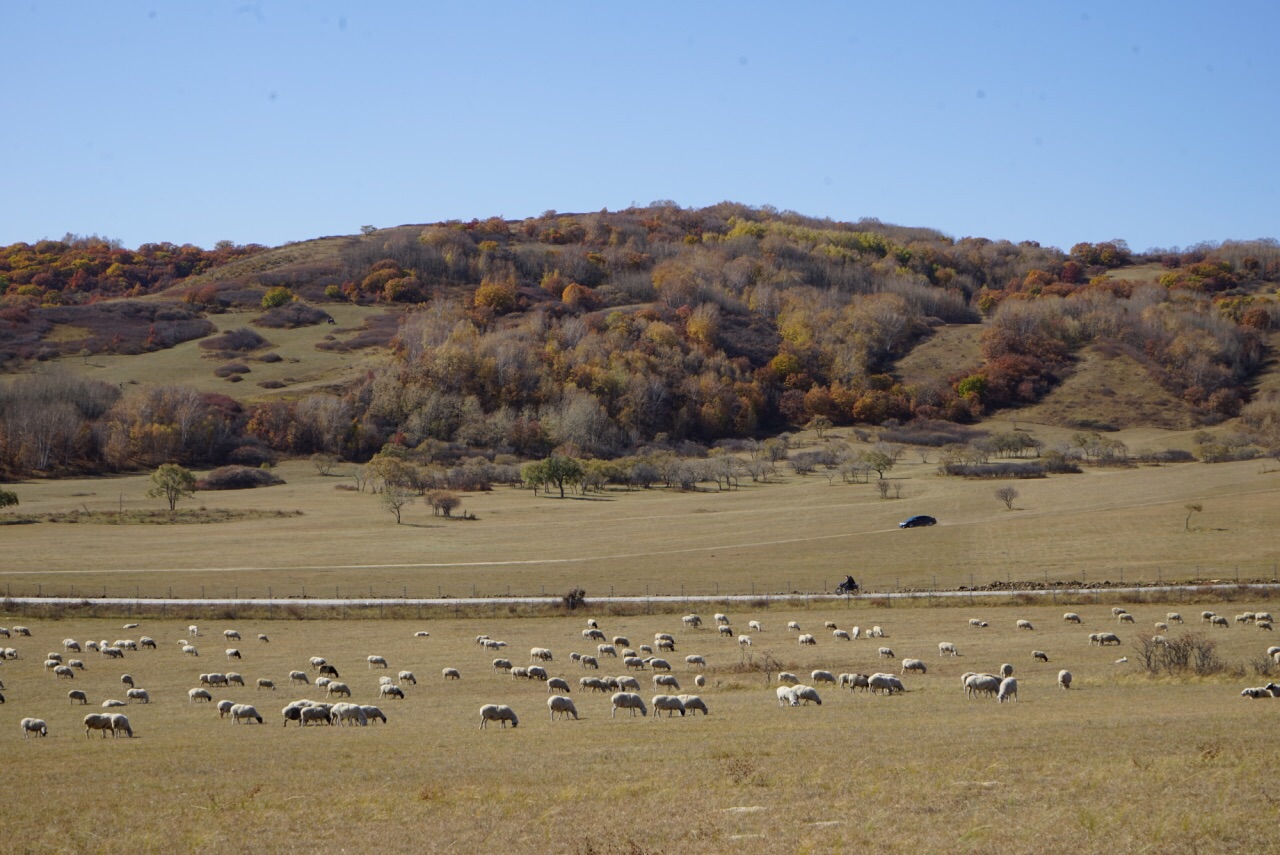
(1120, 763)
(951, 348)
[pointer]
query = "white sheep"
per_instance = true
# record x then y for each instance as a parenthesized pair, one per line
(754, 626)
(1173, 617)
(976, 622)
(822, 677)
(519, 672)
(793, 625)
(537, 672)
(855, 681)
(336, 688)
(659, 664)
(317, 662)
(606, 650)
(21, 630)
(450, 674)
(194, 695)
(386, 681)
(1219, 620)
(1025, 624)
(947, 648)
(855, 633)
(1264, 616)
(1105, 638)
(914, 665)
(190, 650)
(592, 623)
(390, 692)
(840, 634)
(71, 644)
(408, 677)
(100, 722)
(876, 632)
(540, 653)
(1006, 670)
(77, 695)
(625, 682)
(422, 633)
(692, 703)
(725, 630)
(232, 653)
(558, 684)
(670, 703)
(147, 641)
(1064, 679)
(744, 641)
(113, 702)
(889, 683)
(829, 624)
(981, 683)
(1126, 618)
(230, 634)
(264, 683)
(1206, 616)
(64, 671)
(500, 713)
(1008, 690)
(588, 661)
(595, 684)
(208, 680)
(665, 680)
(193, 631)
(317, 714)
(634, 662)
(75, 663)
(787, 678)
(787, 696)
(562, 705)
(139, 695)
(377, 661)
(1116, 611)
(806, 694)
(691, 621)
(806, 639)
(694, 660)
(886, 653)
(372, 712)
(244, 712)
(699, 681)
(33, 725)
(234, 679)
(501, 665)
(621, 641)
(593, 635)
(1161, 626)
(299, 677)
(1039, 656)
(645, 648)
(353, 714)
(1071, 617)
(627, 701)
(720, 618)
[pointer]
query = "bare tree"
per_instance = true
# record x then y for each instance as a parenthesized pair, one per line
(394, 499)
(882, 487)
(1007, 495)
(1193, 508)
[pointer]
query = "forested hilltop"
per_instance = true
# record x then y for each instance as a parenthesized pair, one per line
(602, 334)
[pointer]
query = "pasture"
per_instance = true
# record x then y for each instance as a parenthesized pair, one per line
(1121, 762)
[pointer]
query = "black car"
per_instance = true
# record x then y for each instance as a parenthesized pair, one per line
(917, 521)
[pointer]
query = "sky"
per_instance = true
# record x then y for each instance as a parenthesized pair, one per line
(269, 122)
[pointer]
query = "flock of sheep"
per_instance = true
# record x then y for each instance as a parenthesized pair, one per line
(623, 691)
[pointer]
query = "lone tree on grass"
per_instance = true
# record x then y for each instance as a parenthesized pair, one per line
(395, 497)
(1007, 495)
(1193, 508)
(172, 483)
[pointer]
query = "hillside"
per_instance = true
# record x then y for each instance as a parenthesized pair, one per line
(603, 334)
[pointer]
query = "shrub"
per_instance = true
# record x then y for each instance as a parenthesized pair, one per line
(291, 316)
(238, 478)
(994, 470)
(241, 339)
(271, 358)
(251, 455)
(277, 296)
(231, 368)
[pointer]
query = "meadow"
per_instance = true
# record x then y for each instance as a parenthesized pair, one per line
(1123, 762)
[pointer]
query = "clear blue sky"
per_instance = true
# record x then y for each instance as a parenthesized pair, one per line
(267, 122)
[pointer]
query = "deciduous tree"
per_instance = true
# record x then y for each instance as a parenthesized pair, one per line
(171, 482)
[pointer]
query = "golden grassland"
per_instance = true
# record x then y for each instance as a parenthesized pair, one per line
(1121, 763)
(792, 534)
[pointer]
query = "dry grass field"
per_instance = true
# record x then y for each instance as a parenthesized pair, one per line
(1121, 763)
(793, 534)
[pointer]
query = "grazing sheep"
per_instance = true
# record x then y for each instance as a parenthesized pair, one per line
(593, 635)
(744, 641)
(194, 695)
(659, 664)
(230, 634)
(1264, 625)
(886, 653)
(64, 671)
(408, 677)
(4, 632)
(1025, 624)
(1008, 690)
(377, 661)
(807, 639)
(829, 625)
(1205, 617)
(264, 683)
(562, 705)
(1255, 692)
(100, 722)
(793, 625)
(592, 623)
(190, 650)
(627, 701)
(621, 641)
(876, 632)
(329, 671)
(1247, 617)
(856, 681)
(787, 696)
(634, 662)
(720, 618)
(336, 688)
(699, 681)
(208, 680)
(946, 648)
(975, 684)
(244, 712)
(386, 681)
(644, 648)
(914, 665)
(75, 663)
(839, 634)
(299, 677)
(726, 630)
(1071, 617)
(558, 684)
(77, 695)
(33, 725)
(353, 714)
(501, 665)
(692, 703)
(1219, 620)
(70, 644)
(1264, 616)
(595, 684)
(1039, 656)
(625, 682)
(540, 653)
(234, 679)
(139, 695)
(691, 621)
(1116, 611)
(976, 622)
(1064, 679)
(321, 682)
(21, 630)
(537, 672)
(390, 692)
(754, 626)
(500, 713)
(450, 674)
(50, 664)
(1006, 670)
(147, 641)
(606, 650)
(665, 680)
(111, 652)
(806, 694)
(1126, 618)
(669, 646)
(372, 712)
(519, 673)
(317, 662)
(589, 661)
(888, 682)
(490, 644)
(1161, 626)
(422, 633)
(671, 703)
(788, 678)
(317, 715)
(1105, 638)
(1173, 617)
(822, 677)
(694, 660)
